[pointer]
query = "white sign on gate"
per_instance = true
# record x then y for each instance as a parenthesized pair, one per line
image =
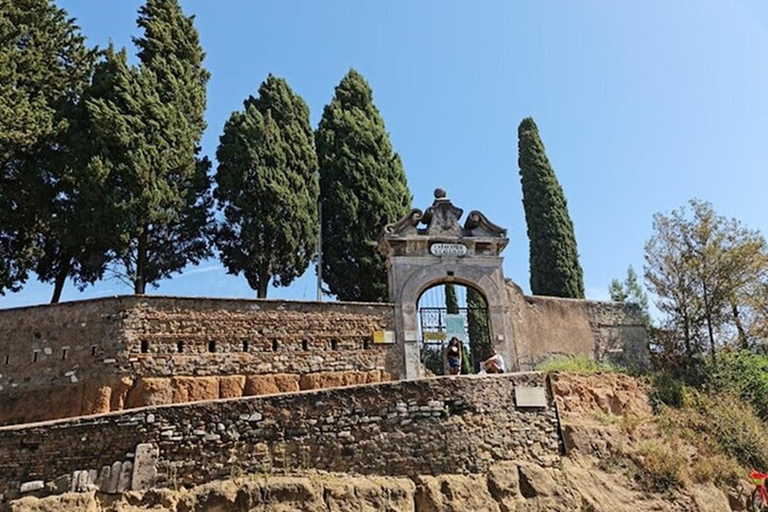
(448, 249)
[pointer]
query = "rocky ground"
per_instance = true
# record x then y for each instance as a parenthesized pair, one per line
(606, 421)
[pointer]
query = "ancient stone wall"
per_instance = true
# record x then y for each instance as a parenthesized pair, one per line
(95, 356)
(548, 326)
(429, 426)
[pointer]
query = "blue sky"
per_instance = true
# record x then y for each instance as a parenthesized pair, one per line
(641, 106)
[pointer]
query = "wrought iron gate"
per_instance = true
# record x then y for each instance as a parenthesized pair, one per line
(437, 326)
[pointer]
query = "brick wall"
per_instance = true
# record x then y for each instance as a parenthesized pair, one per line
(431, 426)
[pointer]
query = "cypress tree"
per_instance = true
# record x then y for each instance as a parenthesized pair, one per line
(268, 188)
(362, 189)
(146, 124)
(451, 299)
(44, 68)
(479, 330)
(554, 260)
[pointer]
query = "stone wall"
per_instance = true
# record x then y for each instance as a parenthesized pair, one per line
(430, 426)
(548, 326)
(95, 356)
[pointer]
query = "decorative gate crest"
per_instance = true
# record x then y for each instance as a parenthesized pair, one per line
(444, 251)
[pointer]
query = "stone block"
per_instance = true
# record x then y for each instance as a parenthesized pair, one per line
(103, 481)
(124, 480)
(34, 485)
(150, 391)
(114, 477)
(528, 396)
(144, 467)
(231, 386)
(194, 389)
(60, 485)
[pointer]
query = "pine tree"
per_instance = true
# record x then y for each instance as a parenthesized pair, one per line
(362, 189)
(554, 260)
(44, 212)
(268, 188)
(146, 124)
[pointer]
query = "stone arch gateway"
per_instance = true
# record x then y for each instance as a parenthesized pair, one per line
(442, 252)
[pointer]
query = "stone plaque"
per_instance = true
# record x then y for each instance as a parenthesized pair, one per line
(527, 396)
(448, 249)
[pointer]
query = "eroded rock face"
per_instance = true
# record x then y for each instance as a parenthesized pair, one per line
(508, 487)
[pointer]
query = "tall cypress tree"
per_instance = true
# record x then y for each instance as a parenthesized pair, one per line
(44, 68)
(554, 259)
(268, 188)
(146, 125)
(451, 299)
(362, 189)
(479, 329)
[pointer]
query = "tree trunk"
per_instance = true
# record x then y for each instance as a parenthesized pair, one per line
(261, 293)
(139, 284)
(739, 326)
(58, 284)
(709, 321)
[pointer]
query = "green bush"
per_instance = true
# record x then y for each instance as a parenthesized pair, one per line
(744, 373)
(576, 364)
(666, 389)
(734, 425)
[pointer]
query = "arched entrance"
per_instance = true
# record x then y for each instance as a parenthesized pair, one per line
(445, 252)
(449, 311)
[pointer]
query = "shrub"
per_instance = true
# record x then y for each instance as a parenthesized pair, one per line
(745, 373)
(576, 364)
(663, 464)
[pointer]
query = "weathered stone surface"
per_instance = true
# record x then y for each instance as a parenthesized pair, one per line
(194, 389)
(124, 480)
(150, 391)
(504, 485)
(144, 467)
(397, 428)
(34, 485)
(60, 485)
(231, 386)
(114, 477)
(453, 493)
(369, 494)
(270, 384)
(103, 481)
(535, 481)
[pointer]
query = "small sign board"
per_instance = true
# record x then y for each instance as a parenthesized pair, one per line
(529, 396)
(442, 249)
(434, 336)
(383, 336)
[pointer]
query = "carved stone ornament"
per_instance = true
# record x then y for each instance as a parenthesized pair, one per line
(478, 224)
(442, 218)
(405, 226)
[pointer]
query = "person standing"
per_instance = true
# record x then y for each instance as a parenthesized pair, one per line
(453, 356)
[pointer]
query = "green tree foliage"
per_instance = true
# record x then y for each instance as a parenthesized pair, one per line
(451, 299)
(708, 273)
(145, 126)
(44, 68)
(479, 329)
(362, 189)
(268, 188)
(554, 259)
(632, 292)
